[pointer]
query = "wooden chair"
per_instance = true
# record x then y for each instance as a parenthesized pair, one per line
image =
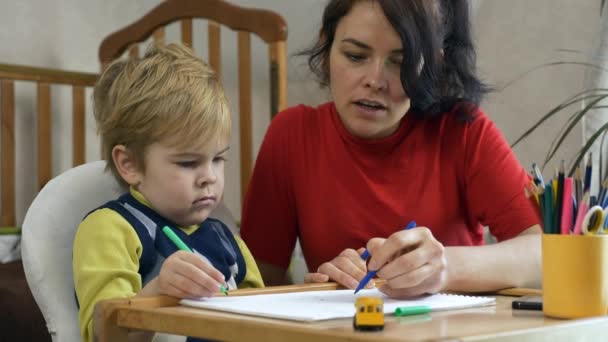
(18, 302)
(44, 80)
(267, 25)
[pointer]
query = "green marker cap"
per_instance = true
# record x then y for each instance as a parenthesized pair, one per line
(223, 290)
(412, 310)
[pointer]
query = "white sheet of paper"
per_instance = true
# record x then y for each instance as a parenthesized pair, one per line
(322, 305)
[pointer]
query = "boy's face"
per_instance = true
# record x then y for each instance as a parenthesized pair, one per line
(184, 185)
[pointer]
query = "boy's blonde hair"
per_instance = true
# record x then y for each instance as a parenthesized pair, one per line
(168, 95)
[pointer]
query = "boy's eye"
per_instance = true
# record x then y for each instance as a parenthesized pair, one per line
(187, 163)
(219, 159)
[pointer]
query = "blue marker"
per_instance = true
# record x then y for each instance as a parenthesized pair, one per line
(365, 255)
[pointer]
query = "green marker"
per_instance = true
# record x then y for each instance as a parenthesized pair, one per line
(182, 246)
(412, 310)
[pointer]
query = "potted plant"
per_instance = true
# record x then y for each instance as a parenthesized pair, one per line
(581, 105)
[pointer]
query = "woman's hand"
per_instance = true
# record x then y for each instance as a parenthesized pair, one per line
(347, 269)
(411, 261)
(187, 275)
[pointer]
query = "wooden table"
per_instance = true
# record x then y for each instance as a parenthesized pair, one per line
(114, 318)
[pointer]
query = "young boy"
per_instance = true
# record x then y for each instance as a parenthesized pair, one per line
(165, 125)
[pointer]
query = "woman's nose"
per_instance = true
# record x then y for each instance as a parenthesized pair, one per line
(375, 77)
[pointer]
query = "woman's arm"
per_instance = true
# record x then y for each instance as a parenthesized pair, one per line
(511, 263)
(269, 216)
(423, 265)
(414, 262)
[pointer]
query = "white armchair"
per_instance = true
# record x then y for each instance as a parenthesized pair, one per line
(48, 234)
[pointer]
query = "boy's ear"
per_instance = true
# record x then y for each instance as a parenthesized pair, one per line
(126, 165)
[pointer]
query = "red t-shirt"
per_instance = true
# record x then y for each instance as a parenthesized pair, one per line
(316, 181)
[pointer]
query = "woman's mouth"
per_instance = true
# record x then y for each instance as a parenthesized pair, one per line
(369, 108)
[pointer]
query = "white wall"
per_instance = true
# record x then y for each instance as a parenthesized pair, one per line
(513, 36)
(516, 36)
(61, 34)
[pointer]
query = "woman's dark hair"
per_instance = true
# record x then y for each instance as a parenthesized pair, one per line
(435, 34)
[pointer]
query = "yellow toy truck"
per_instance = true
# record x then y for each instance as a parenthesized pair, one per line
(370, 314)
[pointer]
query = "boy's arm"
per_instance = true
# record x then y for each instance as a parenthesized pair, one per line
(253, 278)
(105, 263)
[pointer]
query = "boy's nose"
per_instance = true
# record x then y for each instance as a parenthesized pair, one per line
(207, 176)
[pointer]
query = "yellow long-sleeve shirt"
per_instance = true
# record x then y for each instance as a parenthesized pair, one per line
(106, 258)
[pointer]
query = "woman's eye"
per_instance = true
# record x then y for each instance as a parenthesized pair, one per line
(396, 61)
(354, 57)
(188, 164)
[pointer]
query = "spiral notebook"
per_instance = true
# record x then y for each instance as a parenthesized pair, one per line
(323, 305)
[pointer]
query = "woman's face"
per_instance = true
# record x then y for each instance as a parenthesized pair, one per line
(364, 72)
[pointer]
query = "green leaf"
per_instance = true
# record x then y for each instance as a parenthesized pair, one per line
(588, 144)
(568, 102)
(561, 137)
(547, 65)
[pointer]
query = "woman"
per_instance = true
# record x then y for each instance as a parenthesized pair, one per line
(402, 140)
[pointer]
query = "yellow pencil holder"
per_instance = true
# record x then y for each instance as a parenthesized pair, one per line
(575, 275)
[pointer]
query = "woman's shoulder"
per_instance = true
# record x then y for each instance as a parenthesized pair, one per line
(459, 131)
(464, 114)
(472, 132)
(469, 120)
(301, 118)
(304, 112)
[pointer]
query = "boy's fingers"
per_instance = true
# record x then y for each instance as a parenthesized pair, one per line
(197, 283)
(194, 275)
(177, 285)
(177, 292)
(202, 265)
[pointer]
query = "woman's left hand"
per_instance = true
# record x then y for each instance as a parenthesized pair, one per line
(347, 269)
(411, 261)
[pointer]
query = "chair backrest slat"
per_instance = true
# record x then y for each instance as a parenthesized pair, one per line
(44, 80)
(7, 150)
(52, 76)
(186, 29)
(269, 26)
(78, 125)
(215, 47)
(244, 58)
(44, 134)
(159, 35)
(265, 24)
(278, 77)
(133, 53)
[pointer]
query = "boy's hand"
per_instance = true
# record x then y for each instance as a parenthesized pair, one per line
(186, 275)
